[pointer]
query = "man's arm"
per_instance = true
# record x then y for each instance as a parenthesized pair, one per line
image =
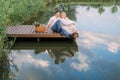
(48, 25)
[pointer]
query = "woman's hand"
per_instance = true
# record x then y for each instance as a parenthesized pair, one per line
(73, 23)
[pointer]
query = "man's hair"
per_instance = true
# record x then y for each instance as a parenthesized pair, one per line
(56, 11)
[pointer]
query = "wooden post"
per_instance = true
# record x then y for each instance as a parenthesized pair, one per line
(38, 39)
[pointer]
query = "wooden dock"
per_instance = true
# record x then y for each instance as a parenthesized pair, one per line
(28, 31)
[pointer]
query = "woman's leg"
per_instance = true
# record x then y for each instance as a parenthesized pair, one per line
(63, 31)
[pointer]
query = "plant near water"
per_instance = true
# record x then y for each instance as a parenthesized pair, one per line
(14, 12)
(36, 24)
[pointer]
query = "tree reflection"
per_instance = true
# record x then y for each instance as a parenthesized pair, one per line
(7, 68)
(101, 10)
(101, 7)
(88, 8)
(114, 9)
(4, 66)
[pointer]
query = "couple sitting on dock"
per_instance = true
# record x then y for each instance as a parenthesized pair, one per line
(61, 24)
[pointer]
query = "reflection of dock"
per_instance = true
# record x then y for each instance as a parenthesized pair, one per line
(44, 45)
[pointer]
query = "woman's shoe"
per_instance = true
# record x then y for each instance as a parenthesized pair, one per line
(75, 35)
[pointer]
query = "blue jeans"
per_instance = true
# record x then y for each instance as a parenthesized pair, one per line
(57, 27)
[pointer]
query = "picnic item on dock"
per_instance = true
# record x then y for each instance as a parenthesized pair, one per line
(39, 27)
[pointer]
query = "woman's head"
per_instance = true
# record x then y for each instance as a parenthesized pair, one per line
(63, 15)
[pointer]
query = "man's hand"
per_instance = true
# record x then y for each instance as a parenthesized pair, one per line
(46, 31)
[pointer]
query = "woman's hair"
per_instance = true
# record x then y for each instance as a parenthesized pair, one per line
(63, 12)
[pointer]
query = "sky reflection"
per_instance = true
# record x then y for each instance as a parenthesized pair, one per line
(25, 56)
(35, 67)
(93, 21)
(30, 64)
(91, 39)
(91, 60)
(81, 64)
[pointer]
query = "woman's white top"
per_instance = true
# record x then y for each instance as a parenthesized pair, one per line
(68, 25)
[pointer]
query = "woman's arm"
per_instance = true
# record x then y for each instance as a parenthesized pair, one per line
(67, 22)
(72, 22)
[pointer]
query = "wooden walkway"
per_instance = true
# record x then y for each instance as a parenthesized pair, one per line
(28, 31)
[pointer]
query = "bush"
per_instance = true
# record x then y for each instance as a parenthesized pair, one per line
(25, 11)
(14, 12)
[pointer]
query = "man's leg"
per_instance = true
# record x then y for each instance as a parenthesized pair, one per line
(58, 28)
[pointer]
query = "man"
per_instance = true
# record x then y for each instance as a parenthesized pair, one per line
(52, 21)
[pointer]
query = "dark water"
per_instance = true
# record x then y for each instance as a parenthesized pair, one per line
(94, 56)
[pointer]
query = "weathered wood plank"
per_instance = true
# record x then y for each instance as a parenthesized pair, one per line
(29, 31)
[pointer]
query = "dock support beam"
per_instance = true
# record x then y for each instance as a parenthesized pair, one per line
(38, 39)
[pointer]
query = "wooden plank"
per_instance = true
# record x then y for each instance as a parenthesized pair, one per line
(28, 31)
(21, 30)
(37, 35)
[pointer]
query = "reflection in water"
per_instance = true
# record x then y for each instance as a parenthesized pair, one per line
(8, 68)
(101, 10)
(101, 7)
(45, 45)
(59, 55)
(92, 21)
(30, 66)
(25, 56)
(35, 66)
(82, 63)
(114, 9)
(90, 40)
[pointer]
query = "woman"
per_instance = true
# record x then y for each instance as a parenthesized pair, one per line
(68, 25)
(54, 25)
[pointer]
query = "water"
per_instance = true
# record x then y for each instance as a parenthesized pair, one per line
(94, 56)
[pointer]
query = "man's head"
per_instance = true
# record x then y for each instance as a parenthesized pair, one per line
(57, 13)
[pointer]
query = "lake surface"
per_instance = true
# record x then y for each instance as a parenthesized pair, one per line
(95, 55)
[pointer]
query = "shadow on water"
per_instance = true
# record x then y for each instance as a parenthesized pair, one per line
(57, 49)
